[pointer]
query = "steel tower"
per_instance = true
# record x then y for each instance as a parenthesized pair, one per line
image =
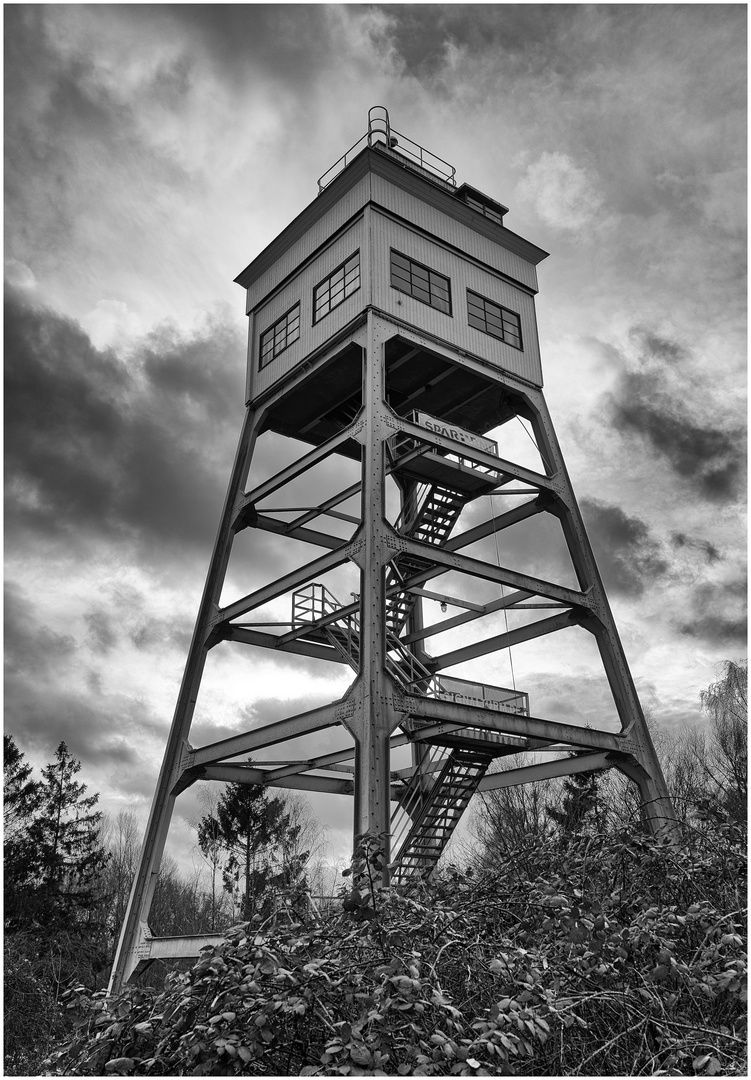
(391, 327)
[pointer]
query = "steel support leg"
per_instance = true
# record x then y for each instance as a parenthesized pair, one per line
(135, 925)
(375, 719)
(643, 767)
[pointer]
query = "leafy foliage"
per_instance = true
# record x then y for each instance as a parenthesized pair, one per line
(617, 954)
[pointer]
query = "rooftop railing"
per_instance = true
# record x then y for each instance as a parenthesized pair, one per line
(380, 133)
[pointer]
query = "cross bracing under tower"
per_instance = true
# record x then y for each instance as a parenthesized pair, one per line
(393, 361)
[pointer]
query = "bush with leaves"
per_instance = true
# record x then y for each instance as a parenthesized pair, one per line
(617, 955)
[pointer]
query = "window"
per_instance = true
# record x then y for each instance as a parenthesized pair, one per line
(335, 289)
(416, 280)
(493, 319)
(283, 332)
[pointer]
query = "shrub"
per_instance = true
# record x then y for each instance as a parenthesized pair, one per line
(617, 955)
(32, 1021)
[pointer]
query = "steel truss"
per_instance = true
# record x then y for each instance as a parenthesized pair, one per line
(398, 696)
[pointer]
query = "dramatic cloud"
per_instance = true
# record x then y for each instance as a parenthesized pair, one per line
(154, 150)
(719, 614)
(629, 557)
(680, 540)
(708, 452)
(99, 447)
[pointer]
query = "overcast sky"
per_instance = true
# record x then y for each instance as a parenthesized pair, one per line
(153, 151)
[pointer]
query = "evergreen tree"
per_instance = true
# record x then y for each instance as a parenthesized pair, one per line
(67, 849)
(254, 831)
(21, 800)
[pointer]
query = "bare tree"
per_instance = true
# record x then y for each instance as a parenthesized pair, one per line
(505, 819)
(726, 702)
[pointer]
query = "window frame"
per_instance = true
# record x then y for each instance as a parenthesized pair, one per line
(345, 294)
(501, 310)
(428, 271)
(271, 330)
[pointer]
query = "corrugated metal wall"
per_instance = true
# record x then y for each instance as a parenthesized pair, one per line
(463, 274)
(300, 288)
(309, 240)
(431, 220)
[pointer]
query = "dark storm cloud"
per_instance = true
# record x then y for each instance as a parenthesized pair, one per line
(719, 614)
(29, 644)
(525, 35)
(627, 554)
(94, 449)
(709, 456)
(680, 540)
(285, 43)
(44, 703)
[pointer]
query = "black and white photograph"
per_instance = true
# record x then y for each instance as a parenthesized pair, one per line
(375, 539)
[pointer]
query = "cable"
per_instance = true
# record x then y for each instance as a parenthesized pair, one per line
(532, 440)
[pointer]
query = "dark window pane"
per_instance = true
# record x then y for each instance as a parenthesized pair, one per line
(340, 283)
(493, 319)
(420, 281)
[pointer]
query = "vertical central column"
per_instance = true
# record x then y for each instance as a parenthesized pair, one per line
(372, 765)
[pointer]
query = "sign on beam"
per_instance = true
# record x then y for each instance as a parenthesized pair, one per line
(451, 431)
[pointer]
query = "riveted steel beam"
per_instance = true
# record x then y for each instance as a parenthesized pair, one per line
(436, 709)
(272, 734)
(508, 601)
(503, 641)
(298, 577)
(477, 568)
(546, 770)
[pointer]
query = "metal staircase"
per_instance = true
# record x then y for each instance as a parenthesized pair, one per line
(439, 814)
(315, 604)
(429, 519)
(436, 486)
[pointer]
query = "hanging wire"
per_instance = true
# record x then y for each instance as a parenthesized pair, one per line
(531, 438)
(503, 591)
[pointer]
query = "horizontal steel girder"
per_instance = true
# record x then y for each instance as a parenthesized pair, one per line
(463, 564)
(244, 774)
(291, 472)
(269, 734)
(504, 641)
(498, 523)
(307, 536)
(287, 583)
(457, 620)
(546, 770)
(280, 644)
(511, 723)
